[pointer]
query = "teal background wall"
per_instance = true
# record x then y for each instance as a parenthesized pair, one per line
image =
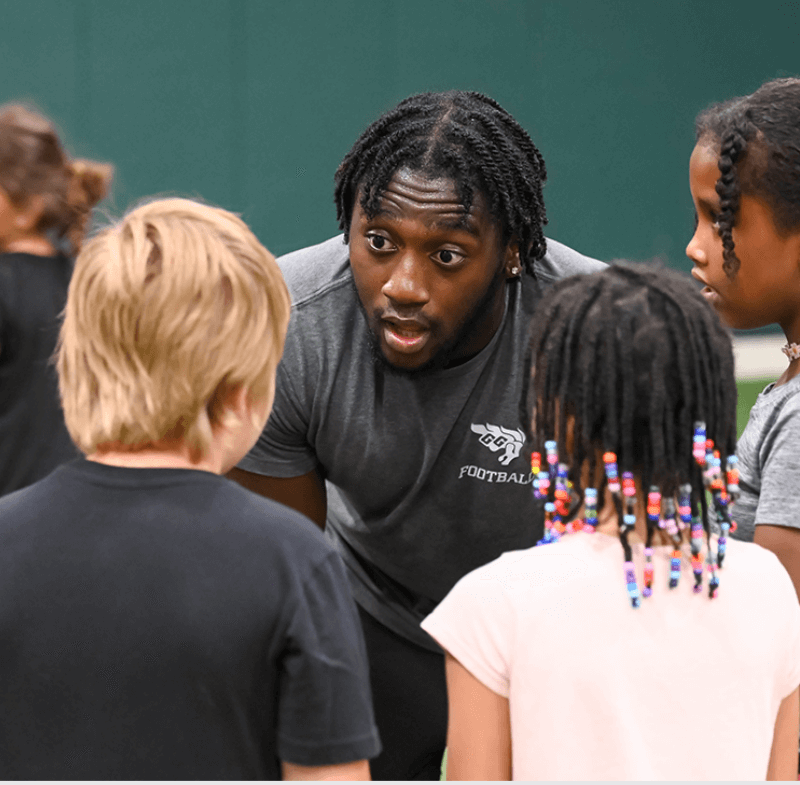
(251, 104)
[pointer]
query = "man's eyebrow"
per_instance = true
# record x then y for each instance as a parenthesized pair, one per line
(465, 223)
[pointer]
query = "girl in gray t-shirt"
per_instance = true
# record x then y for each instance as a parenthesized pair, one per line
(746, 250)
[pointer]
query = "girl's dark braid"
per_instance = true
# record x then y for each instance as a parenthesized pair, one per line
(464, 136)
(728, 188)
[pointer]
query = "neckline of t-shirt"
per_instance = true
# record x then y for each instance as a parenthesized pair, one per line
(134, 477)
(35, 258)
(787, 388)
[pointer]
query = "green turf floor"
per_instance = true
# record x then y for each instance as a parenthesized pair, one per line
(748, 392)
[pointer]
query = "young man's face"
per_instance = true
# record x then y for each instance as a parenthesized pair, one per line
(430, 277)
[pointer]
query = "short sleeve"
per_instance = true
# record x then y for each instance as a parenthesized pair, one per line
(324, 700)
(475, 624)
(780, 469)
(283, 449)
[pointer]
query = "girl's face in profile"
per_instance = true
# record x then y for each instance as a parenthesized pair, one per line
(766, 287)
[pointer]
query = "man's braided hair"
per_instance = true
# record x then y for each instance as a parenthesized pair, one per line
(632, 357)
(758, 138)
(464, 136)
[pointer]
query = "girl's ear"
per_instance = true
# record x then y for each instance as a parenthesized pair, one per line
(513, 266)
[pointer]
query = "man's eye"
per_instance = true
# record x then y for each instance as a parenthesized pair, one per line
(448, 257)
(378, 242)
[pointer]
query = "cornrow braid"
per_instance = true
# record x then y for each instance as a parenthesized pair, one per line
(464, 136)
(625, 363)
(728, 189)
(757, 138)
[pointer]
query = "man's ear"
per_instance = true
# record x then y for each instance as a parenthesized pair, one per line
(513, 266)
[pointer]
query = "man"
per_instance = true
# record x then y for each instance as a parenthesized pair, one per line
(396, 422)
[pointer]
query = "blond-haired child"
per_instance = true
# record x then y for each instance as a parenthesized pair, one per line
(159, 621)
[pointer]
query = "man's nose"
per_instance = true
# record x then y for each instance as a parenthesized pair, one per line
(406, 284)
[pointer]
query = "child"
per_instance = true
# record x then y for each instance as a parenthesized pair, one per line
(745, 181)
(159, 621)
(45, 204)
(582, 659)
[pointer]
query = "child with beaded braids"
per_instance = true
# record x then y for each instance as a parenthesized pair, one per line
(582, 659)
(745, 182)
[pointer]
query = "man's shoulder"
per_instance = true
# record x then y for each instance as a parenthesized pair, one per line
(316, 269)
(560, 261)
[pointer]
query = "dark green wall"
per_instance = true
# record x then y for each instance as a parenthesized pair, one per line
(251, 104)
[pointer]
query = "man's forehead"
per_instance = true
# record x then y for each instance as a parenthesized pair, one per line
(439, 196)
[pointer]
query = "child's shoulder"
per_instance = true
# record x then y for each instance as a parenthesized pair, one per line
(757, 570)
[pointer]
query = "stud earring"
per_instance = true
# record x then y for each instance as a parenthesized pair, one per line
(514, 270)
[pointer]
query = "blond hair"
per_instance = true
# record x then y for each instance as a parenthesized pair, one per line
(33, 163)
(167, 311)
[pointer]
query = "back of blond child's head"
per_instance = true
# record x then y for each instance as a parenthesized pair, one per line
(168, 311)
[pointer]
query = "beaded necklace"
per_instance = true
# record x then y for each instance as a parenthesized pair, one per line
(561, 502)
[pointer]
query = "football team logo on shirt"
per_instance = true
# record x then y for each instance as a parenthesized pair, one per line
(498, 439)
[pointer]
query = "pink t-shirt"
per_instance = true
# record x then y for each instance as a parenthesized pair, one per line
(684, 687)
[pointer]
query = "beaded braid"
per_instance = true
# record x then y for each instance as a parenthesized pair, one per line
(624, 496)
(633, 359)
(465, 136)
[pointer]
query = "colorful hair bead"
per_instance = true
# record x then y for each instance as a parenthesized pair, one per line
(648, 572)
(716, 483)
(713, 580)
(654, 506)
(551, 534)
(561, 493)
(590, 509)
(610, 461)
(628, 485)
(674, 568)
(543, 484)
(733, 477)
(552, 457)
(697, 534)
(628, 521)
(668, 509)
(630, 581)
(697, 569)
(722, 542)
(684, 505)
(699, 443)
(536, 463)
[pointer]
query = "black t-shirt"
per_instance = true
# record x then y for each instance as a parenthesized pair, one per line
(33, 437)
(169, 624)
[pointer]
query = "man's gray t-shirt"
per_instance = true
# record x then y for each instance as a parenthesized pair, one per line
(769, 461)
(427, 476)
